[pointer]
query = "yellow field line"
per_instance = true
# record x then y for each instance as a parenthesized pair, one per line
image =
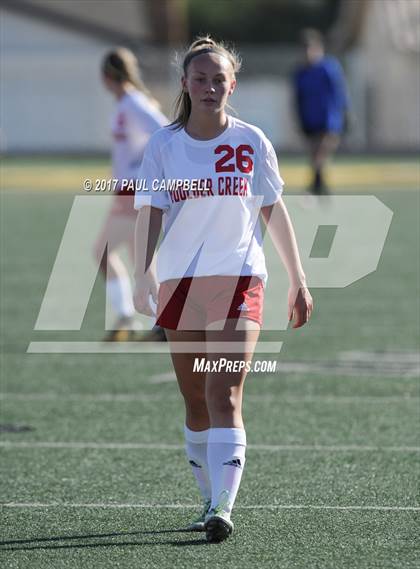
(67, 178)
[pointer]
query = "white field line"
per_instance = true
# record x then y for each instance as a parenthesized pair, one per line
(278, 399)
(165, 446)
(365, 368)
(405, 365)
(196, 506)
(388, 357)
(166, 377)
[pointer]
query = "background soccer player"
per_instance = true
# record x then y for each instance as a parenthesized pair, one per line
(136, 117)
(321, 102)
(211, 266)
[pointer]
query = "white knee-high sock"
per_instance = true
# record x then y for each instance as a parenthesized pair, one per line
(196, 448)
(121, 296)
(226, 459)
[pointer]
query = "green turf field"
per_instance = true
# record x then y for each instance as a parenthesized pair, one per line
(98, 478)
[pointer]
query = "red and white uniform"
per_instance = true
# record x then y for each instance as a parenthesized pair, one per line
(134, 121)
(210, 218)
(211, 193)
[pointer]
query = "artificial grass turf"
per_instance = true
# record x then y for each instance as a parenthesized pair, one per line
(269, 421)
(153, 476)
(125, 538)
(379, 312)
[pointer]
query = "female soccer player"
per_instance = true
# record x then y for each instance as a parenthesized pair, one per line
(321, 103)
(136, 117)
(219, 173)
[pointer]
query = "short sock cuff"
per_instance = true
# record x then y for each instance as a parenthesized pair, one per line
(198, 437)
(227, 435)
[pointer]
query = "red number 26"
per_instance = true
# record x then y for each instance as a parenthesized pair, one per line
(242, 156)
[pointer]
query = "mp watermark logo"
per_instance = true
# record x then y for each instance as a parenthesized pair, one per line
(354, 230)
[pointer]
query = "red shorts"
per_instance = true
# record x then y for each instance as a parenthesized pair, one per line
(194, 303)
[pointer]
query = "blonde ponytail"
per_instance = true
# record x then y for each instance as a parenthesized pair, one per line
(121, 65)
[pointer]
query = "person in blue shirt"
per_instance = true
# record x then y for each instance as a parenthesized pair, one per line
(321, 102)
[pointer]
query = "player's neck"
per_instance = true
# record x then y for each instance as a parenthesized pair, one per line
(206, 127)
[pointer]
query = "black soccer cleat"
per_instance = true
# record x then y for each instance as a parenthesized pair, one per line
(218, 526)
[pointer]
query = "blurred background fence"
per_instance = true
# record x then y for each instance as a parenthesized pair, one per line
(52, 99)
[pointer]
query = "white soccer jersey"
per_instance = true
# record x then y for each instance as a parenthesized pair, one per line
(211, 192)
(135, 119)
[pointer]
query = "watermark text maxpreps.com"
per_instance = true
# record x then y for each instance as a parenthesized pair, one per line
(223, 365)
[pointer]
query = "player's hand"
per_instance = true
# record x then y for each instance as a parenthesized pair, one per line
(145, 288)
(300, 305)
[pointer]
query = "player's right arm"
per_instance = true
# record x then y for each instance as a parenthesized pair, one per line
(151, 206)
(147, 231)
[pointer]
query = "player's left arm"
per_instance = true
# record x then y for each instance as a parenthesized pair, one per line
(280, 228)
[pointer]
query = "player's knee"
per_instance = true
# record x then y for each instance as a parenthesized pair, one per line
(195, 399)
(196, 407)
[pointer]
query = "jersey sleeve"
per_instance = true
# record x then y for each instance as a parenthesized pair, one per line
(150, 176)
(144, 118)
(269, 182)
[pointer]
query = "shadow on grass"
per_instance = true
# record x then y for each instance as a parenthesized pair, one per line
(45, 542)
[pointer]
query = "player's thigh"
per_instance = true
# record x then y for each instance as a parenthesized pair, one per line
(188, 365)
(230, 352)
(233, 338)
